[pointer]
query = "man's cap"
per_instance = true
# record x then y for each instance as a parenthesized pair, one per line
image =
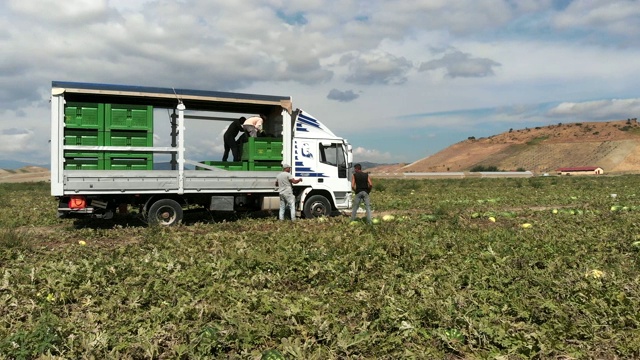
(284, 166)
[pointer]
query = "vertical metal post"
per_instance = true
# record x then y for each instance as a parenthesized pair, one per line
(57, 134)
(287, 138)
(181, 109)
(174, 135)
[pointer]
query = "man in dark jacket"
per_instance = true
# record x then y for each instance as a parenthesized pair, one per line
(230, 139)
(361, 185)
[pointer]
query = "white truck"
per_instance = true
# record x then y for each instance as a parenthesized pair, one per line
(103, 156)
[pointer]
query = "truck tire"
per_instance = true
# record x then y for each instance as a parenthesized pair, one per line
(316, 206)
(164, 212)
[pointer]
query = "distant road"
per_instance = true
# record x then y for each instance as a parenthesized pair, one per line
(453, 175)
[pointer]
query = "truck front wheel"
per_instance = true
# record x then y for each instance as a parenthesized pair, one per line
(165, 212)
(317, 206)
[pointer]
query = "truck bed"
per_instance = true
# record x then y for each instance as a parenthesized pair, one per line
(89, 182)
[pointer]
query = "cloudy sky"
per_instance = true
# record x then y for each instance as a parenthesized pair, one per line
(400, 80)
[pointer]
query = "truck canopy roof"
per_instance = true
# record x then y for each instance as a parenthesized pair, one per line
(201, 100)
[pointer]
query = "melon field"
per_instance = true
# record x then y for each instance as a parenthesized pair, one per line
(538, 268)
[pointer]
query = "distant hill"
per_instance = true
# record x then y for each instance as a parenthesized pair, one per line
(612, 145)
(366, 165)
(13, 164)
(25, 174)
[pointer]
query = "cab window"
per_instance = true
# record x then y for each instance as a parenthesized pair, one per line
(332, 154)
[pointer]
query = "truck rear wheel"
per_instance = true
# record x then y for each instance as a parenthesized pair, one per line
(165, 212)
(317, 206)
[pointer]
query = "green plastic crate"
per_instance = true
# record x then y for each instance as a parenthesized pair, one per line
(84, 116)
(128, 117)
(128, 138)
(83, 160)
(128, 161)
(84, 137)
(265, 166)
(268, 149)
(226, 165)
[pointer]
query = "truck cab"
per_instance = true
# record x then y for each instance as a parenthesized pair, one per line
(323, 160)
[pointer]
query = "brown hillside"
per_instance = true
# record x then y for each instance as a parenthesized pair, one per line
(25, 174)
(612, 145)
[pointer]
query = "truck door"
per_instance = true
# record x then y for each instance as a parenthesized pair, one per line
(321, 160)
(331, 161)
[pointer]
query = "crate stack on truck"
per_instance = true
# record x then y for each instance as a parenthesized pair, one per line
(100, 124)
(258, 154)
(263, 154)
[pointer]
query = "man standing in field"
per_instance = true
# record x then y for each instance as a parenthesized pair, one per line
(361, 185)
(284, 182)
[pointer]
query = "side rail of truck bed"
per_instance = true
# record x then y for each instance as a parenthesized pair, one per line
(88, 182)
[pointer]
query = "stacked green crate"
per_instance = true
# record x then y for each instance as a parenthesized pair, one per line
(263, 154)
(128, 138)
(128, 161)
(84, 125)
(90, 124)
(83, 160)
(84, 116)
(85, 137)
(128, 125)
(129, 117)
(265, 166)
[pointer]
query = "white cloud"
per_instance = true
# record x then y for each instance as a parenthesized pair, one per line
(68, 12)
(342, 96)
(128, 5)
(459, 17)
(362, 154)
(536, 51)
(459, 64)
(617, 17)
(376, 68)
(13, 140)
(615, 109)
